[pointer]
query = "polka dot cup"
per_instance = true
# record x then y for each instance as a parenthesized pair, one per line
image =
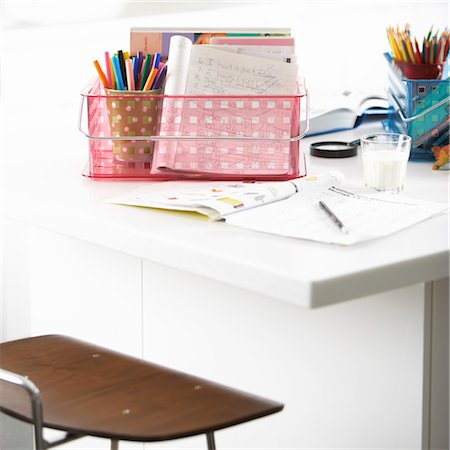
(132, 114)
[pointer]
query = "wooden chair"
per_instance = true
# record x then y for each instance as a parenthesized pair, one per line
(86, 390)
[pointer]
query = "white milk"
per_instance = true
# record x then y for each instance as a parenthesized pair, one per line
(385, 170)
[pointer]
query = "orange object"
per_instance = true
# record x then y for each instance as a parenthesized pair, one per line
(150, 79)
(101, 75)
(442, 155)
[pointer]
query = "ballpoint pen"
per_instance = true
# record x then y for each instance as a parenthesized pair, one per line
(333, 217)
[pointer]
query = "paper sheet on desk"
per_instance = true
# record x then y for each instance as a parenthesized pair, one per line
(365, 214)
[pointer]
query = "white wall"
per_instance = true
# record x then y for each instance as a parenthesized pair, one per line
(48, 46)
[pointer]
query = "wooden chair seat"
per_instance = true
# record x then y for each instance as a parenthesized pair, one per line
(89, 390)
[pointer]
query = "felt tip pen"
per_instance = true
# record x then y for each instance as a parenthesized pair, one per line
(122, 68)
(117, 72)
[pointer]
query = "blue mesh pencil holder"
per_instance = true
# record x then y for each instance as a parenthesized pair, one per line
(420, 109)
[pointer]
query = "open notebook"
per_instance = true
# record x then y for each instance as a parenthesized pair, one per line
(291, 208)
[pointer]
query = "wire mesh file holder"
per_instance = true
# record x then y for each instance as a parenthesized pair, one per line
(420, 109)
(157, 137)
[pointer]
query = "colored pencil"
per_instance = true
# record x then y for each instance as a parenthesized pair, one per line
(431, 52)
(404, 46)
(409, 49)
(416, 46)
(447, 43)
(405, 52)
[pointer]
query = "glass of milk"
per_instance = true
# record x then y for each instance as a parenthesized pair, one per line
(384, 157)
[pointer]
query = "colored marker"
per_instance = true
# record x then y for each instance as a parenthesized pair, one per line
(141, 58)
(108, 70)
(156, 61)
(150, 79)
(101, 75)
(145, 71)
(122, 68)
(113, 77)
(134, 61)
(160, 77)
(129, 70)
(117, 72)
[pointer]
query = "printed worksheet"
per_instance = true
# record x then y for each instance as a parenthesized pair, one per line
(292, 208)
(364, 214)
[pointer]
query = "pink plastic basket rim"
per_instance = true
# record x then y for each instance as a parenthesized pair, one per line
(87, 93)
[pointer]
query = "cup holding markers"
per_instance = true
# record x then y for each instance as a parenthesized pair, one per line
(130, 115)
(384, 158)
(130, 85)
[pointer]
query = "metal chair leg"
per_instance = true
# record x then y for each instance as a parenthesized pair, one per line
(114, 444)
(210, 440)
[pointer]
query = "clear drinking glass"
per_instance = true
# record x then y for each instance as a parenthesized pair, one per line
(385, 157)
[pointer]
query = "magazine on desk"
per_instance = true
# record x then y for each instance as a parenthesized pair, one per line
(291, 208)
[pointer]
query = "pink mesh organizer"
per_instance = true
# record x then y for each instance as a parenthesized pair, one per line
(147, 136)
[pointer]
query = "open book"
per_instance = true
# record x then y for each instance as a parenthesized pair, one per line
(291, 208)
(331, 111)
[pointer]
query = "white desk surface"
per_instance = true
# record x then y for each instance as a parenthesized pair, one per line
(44, 154)
(53, 195)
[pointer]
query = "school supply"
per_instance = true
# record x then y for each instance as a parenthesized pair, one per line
(209, 123)
(281, 53)
(240, 137)
(331, 111)
(277, 48)
(291, 208)
(202, 70)
(136, 73)
(420, 109)
(333, 216)
(152, 40)
(218, 72)
(416, 63)
(178, 68)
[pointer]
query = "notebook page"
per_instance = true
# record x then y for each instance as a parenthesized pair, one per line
(218, 72)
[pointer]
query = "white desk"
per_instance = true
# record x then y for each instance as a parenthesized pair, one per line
(224, 302)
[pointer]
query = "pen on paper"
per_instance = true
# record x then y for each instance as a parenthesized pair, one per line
(333, 217)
